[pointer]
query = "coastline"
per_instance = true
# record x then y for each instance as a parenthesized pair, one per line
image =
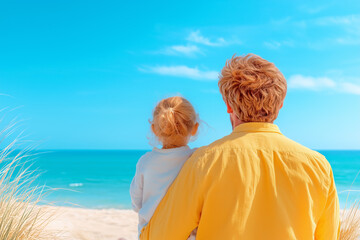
(90, 224)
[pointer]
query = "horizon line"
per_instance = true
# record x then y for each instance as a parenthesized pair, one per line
(148, 149)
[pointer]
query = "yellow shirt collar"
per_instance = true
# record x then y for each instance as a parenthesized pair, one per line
(257, 127)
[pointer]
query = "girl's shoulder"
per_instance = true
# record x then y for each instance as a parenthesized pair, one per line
(149, 157)
(143, 160)
(158, 154)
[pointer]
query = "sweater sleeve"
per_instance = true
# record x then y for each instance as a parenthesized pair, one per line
(136, 188)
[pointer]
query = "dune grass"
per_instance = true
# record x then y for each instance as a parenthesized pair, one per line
(20, 218)
(350, 223)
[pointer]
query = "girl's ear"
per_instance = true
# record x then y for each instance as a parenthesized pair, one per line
(229, 109)
(195, 129)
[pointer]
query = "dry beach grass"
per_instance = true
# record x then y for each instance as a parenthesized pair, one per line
(20, 219)
(350, 223)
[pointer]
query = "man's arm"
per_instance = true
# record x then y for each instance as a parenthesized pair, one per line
(178, 213)
(328, 226)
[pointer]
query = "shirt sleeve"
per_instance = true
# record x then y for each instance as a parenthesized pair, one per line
(328, 226)
(136, 189)
(178, 213)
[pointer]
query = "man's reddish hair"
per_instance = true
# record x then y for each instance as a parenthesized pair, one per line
(253, 87)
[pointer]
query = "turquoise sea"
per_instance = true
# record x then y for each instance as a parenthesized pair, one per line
(101, 179)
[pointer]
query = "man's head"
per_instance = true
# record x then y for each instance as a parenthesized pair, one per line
(253, 89)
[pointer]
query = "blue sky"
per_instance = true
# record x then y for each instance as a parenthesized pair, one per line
(87, 74)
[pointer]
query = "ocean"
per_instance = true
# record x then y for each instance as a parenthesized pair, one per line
(101, 179)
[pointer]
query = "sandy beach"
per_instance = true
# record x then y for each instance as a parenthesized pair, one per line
(92, 224)
(97, 224)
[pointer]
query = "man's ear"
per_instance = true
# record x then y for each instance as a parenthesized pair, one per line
(195, 129)
(229, 109)
(282, 104)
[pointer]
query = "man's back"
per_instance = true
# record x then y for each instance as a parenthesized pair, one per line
(253, 184)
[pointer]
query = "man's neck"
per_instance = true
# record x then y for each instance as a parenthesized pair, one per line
(236, 122)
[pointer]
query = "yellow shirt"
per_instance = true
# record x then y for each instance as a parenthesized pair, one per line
(252, 184)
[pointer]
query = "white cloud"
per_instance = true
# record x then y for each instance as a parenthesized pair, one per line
(191, 49)
(338, 20)
(321, 83)
(349, 24)
(187, 50)
(348, 41)
(312, 9)
(274, 45)
(196, 37)
(351, 88)
(342, 21)
(346, 28)
(308, 82)
(183, 71)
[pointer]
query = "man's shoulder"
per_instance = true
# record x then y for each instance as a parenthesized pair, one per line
(217, 147)
(315, 157)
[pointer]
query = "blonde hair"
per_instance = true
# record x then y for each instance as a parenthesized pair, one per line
(173, 121)
(253, 87)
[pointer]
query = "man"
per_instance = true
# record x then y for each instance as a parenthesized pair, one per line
(254, 183)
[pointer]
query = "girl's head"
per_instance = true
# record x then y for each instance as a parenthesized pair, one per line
(174, 122)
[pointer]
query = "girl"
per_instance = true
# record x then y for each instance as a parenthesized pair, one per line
(174, 123)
